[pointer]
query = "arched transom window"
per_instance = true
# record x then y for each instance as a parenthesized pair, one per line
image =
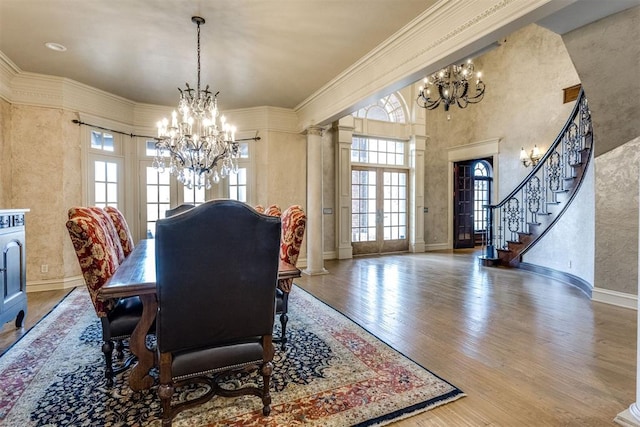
(387, 109)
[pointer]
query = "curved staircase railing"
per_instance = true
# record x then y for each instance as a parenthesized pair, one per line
(530, 210)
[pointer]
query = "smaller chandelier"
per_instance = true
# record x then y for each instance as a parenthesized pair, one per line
(199, 143)
(451, 86)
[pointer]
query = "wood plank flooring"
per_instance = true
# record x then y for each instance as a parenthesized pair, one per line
(38, 305)
(527, 350)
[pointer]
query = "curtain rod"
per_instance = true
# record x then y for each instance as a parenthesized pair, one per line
(133, 135)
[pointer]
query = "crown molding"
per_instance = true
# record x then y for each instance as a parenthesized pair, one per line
(23, 88)
(272, 118)
(447, 32)
(7, 71)
(57, 92)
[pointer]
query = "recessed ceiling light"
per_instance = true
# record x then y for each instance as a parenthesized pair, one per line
(55, 46)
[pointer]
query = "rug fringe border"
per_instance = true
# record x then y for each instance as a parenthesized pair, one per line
(413, 410)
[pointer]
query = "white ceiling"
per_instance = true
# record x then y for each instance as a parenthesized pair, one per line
(255, 52)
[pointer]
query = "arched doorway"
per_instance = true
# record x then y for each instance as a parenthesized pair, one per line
(472, 191)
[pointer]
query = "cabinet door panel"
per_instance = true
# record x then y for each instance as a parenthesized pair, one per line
(12, 260)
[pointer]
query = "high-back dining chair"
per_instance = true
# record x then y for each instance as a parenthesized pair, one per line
(216, 274)
(273, 210)
(294, 222)
(124, 233)
(178, 209)
(99, 255)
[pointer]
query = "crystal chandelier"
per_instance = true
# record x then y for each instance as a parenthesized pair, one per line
(199, 143)
(451, 86)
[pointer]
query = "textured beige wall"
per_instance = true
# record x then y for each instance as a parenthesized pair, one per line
(281, 171)
(5, 154)
(606, 54)
(46, 172)
(522, 106)
(607, 57)
(616, 253)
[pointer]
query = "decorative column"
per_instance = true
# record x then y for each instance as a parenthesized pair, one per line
(417, 145)
(314, 234)
(343, 131)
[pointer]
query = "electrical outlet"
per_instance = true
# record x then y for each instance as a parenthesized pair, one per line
(44, 268)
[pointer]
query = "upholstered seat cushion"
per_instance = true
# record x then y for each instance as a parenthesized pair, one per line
(124, 317)
(194, 363)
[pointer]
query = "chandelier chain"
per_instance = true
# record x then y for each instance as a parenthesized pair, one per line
(198, 32)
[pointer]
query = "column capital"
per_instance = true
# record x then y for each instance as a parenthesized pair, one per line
(314, 130)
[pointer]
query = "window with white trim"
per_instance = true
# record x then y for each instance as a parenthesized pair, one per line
(387, 109)
(378, 151)
(105, 170)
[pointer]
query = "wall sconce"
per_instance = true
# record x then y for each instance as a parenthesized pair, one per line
(530, 159)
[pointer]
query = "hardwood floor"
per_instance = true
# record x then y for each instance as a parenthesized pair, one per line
(527, 350)
(38, 305)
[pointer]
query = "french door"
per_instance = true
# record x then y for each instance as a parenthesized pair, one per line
(378, 210)
(463, 210)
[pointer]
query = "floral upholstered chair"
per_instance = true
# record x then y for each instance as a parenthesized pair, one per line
(273, 210)
(99, 254)
(124, 233)
(294, 222)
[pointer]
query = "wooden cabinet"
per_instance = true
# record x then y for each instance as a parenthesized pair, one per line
(13, 263)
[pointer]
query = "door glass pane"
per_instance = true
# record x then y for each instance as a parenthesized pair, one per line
(158, 197)
(395, 213)
(105, 183)
(100, 171)
(363, 214)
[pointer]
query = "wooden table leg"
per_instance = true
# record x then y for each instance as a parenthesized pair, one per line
(140, 378)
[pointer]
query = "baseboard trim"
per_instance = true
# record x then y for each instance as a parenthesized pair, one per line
(571, 279)
(54, 284)
(626, 419)
(619, 299)
(437, 247)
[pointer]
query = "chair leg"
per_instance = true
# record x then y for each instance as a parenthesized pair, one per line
(283, 322)
(120, 349)
(267, 370)
(165, 391)
(107, 349)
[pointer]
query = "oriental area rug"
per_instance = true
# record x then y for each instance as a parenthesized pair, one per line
(332, 373)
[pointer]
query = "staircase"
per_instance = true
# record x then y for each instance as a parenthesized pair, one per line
(537, 203)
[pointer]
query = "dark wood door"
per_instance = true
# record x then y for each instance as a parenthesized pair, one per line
(463, 234)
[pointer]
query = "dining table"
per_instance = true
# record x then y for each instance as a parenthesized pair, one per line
(136, 276)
